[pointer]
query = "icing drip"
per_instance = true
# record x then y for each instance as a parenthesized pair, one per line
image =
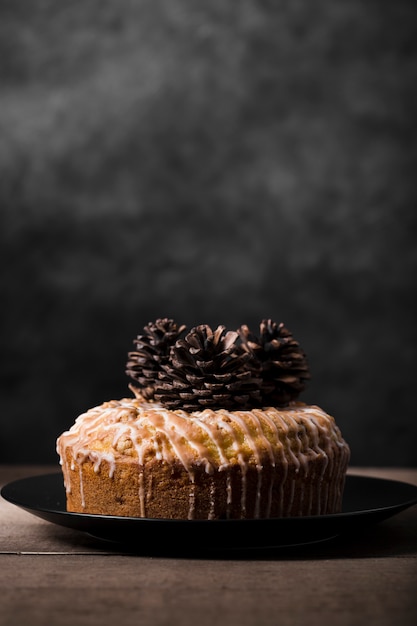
(191, 510)
(142, 494)
(228, 494)
(149, 489)
(80, 469)
(212, 499)
(240, 419)
(218, 441)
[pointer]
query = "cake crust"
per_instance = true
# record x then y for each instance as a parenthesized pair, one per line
(135, 458)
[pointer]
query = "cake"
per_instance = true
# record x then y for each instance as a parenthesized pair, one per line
(213, 429)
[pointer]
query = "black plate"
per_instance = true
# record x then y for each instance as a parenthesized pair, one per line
(366, 501)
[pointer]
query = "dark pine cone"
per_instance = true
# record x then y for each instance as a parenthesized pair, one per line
(207, 370)
(279, 359)
(152, 353)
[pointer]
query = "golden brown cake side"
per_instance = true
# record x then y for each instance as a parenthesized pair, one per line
(136, 458)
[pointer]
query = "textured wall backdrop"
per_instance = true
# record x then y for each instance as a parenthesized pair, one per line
(212, 161)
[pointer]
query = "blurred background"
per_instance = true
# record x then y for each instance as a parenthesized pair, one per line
(215, 162)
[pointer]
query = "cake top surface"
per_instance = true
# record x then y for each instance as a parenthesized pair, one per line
(217, 369)
(134, 427)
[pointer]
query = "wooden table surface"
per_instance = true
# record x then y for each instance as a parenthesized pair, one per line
(51, 575)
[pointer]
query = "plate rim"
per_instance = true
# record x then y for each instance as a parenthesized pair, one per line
(313, 529)
(218, 522)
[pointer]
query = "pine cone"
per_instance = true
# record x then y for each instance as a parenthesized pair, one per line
(207, 370)
(152, 353)
(279, 359)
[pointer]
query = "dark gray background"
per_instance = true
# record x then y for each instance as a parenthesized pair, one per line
(215, 162)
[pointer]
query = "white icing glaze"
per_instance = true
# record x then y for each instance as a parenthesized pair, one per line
(217, 440)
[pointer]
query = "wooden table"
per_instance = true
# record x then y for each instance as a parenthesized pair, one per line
(51, 575)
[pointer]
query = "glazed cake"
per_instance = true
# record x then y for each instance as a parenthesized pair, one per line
(213, 429)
